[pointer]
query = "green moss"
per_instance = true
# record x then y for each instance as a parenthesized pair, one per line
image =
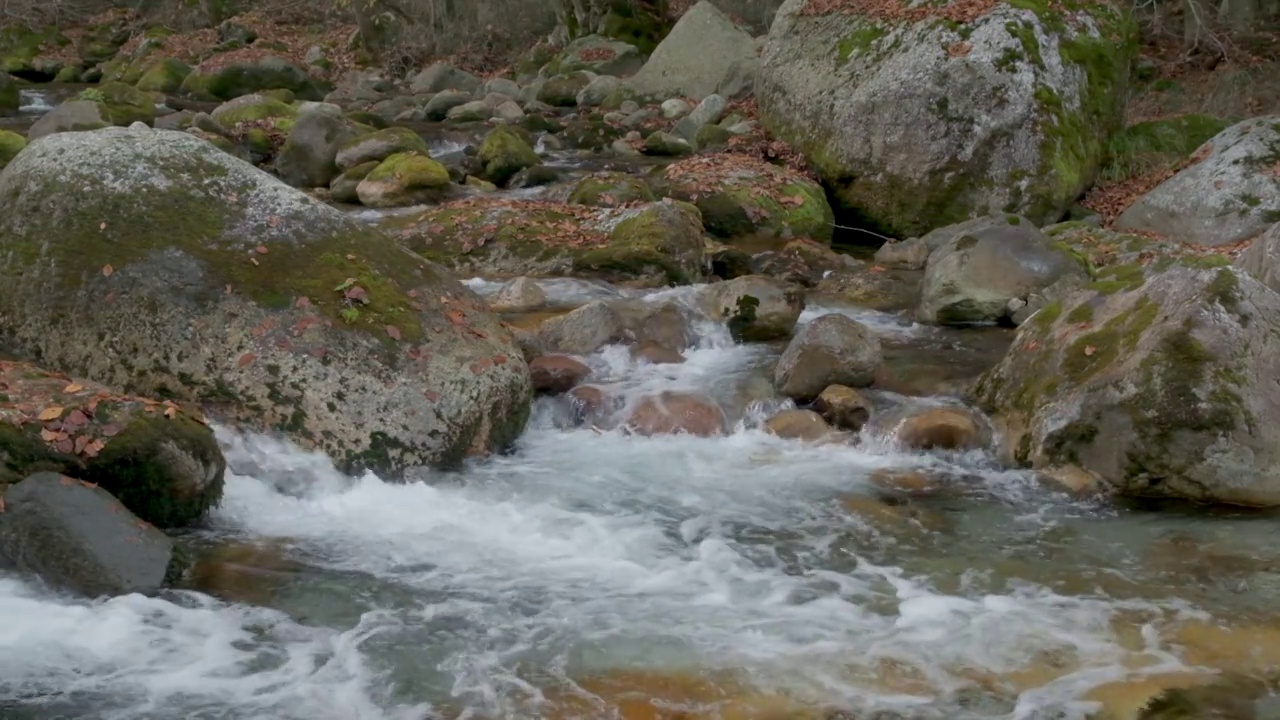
(504, 153)
(860, 41)
(1083, 313)
(164, 76)
(1157, 145)
(1095, 351)
(610, 189)
(411, 170)
(1025, 33)
(1045, 317)
(1205, 262)
(638, 26)
(1224, 289)
(11, 143)
(1118, 278)
(264, 109)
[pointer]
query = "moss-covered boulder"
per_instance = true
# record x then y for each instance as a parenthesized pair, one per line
(132, 63)
(1230, 193)
(9, 99)
(404, 179)
(562, 90)
(159, 459)
(164, 76)
(252, 109)
(379, 146)
(742, 196)
(1008, 111)
(1159, 380)
(1157, 145)
(596, 54)
(611, 189)
(22, 47)
(656, 244)
(308, 157)
(122, 104)
(504, 153)
(225, 78)
(343, 188)
(11, 143)
(171, 269)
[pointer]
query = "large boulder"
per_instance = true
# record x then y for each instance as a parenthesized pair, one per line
(1162, 385)
(379, 146)
(696, 57)
(309, 155)
(983, 274)
(656, 242)
(754, 307)
(211, 280)
(159, 459)
(917, 120)
(741, 196)
(1231, 193)
(164, 76)
(222, 80)
(831, 350)
(77, 537)
(443, 76)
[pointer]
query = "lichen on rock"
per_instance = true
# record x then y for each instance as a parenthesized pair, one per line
(171, 269)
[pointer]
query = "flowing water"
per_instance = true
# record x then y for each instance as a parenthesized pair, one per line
(593, 574)
(732, 577)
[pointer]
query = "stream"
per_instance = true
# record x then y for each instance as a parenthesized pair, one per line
(592, 573)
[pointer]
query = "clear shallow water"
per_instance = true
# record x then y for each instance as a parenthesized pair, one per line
(736, 569)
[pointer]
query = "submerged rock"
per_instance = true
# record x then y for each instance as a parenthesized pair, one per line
(974, 276)
(831, 350)
(671, 413)
(1158, 381)
(1230, 193)
(922, 427)
(741, 196)
(159, 459)
(798, 425)
(917, 121)
(557, 374)
(519, 295)
(843, 407)
(77, 537)
(213, 281)
(655, 243)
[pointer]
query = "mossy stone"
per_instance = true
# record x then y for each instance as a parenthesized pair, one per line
(503, 153)
(164, 76)
(609, 189)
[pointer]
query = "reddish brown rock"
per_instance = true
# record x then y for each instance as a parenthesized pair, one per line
(674, 412)
(556, 374)
(656, 354)
(943, 428)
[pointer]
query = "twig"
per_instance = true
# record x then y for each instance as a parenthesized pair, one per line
(864, 230)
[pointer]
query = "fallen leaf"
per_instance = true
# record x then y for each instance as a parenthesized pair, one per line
(431, 396)
(245, 359)
(303, 302)
(170, 413)
(261, 250)
(75, 420)
(88, 484)
(107, 270)
(93, 448)
(228, 289)
(351, 257)
(393, 332)
(52, 413)
(253, 260)
(273, 220)
(73, 388)
(65, 445)
(357, 293)
(81, 443)
(48, 435)
(102, 227)
(1089, 350)
(111, 429)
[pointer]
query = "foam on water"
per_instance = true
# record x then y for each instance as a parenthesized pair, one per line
(33, 102)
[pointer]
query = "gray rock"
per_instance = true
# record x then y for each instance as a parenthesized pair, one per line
(600, 55)
(474, 111)
(1232, 194)
(708, 112)
(309, 155)
(910, 133)
(1262, 258)
(596, 91)
(508, 111)
(972, 278)
(628, 106)
(80, 538)
(665, 144)
(639, 117)
(831, 350)
(910, 254)
(443, 76)
(756, 308)
(205, 122)
(519, 295)
(73, 116)
(739, 81)
(503, 86)
(379, 146)
(562, 90)
(226, 286)
(390, 108)
(360, 88)
(695, 57)
(180, 120)
(675, 108)
(344, 188)
(1162, 387)
(584, 330)
(438, 107)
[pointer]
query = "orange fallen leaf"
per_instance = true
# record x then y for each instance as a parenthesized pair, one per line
(52, 413)
(88, 484)
(303, 302)
(48, 435)
(170, 412)
(107, 270)
(245, 359)
(261, 250)
(92, 449)
(393, 332)
(1089, 350)
(73, 388)
(112, 429)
